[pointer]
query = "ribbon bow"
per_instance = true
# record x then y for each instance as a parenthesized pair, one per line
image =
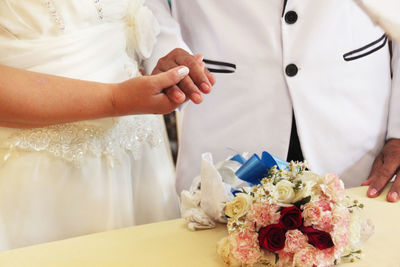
(255, 168)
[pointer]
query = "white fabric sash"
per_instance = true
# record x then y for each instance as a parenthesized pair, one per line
(75, 54)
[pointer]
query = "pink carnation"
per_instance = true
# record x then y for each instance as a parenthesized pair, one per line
(341, 216)
(311, 213)
(325, 222)
(245, 246)
(324, 203)
(263, 214)
(334, 187)
(285, 258)
(295, 241)
(314, 215)
(325, 257)
(340, 237)
(305, 257)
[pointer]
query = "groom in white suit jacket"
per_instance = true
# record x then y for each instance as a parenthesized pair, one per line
(301, 79)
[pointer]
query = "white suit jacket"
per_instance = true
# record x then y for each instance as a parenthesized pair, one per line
(325, 60)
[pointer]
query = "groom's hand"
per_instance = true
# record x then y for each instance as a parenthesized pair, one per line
(386, 165)
(198, 82)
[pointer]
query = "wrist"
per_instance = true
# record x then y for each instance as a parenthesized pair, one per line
(122, 101)
(114, 92)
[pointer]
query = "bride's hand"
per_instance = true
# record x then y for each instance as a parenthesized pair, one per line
(144, 95)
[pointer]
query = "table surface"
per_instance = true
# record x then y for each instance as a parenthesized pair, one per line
(171, 244)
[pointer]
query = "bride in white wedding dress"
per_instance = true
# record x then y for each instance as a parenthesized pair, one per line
(68, 166)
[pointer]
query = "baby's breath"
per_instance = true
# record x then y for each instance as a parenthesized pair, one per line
(234, 225)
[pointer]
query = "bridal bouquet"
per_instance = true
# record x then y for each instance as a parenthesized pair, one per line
(281, 215)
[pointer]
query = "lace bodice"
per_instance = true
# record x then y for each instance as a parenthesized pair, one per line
(98, 40)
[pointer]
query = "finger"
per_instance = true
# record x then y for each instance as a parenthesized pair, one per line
(167, 79)
(175, 94)
(164, 104)
(210, 76)
(191, 90)
(366, 182)
(186, 86)
(378, 162)
(394, 193)
(382, 176)
(197, 73)
(199, 57)
(163, 66)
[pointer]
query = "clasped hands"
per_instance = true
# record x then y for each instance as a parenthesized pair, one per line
(177, 78)
(198, 82)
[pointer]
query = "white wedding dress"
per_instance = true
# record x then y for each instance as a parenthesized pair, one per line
(72, 179)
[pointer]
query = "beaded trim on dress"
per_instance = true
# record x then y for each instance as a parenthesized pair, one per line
(54, 13)
(74, 141)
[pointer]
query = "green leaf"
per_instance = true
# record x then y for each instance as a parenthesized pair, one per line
(276, 258)
(302, 201)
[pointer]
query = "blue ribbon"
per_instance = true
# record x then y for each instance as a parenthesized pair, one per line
(238, 158)
(255, 169)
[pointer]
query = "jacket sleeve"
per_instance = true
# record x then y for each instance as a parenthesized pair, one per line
(170, 33)
(394, 105)
(385, 13)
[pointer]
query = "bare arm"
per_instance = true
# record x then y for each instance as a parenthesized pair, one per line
(29, 99)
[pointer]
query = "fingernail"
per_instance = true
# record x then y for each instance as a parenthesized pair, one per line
(213, 79)
(182, 72)
(200, 58)
(394, 196)
(179, 94)
(196, 97)
(205, 87)
(372, 192)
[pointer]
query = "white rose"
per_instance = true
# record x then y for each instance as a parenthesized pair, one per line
(305, 190)
(238, 206)
(285, 192)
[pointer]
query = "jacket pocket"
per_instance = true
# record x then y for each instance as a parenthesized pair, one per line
(219, 66)
(367, 49)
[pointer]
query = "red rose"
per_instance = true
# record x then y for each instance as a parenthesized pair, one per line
(272, 237)
(291, 218)
(317, 238)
